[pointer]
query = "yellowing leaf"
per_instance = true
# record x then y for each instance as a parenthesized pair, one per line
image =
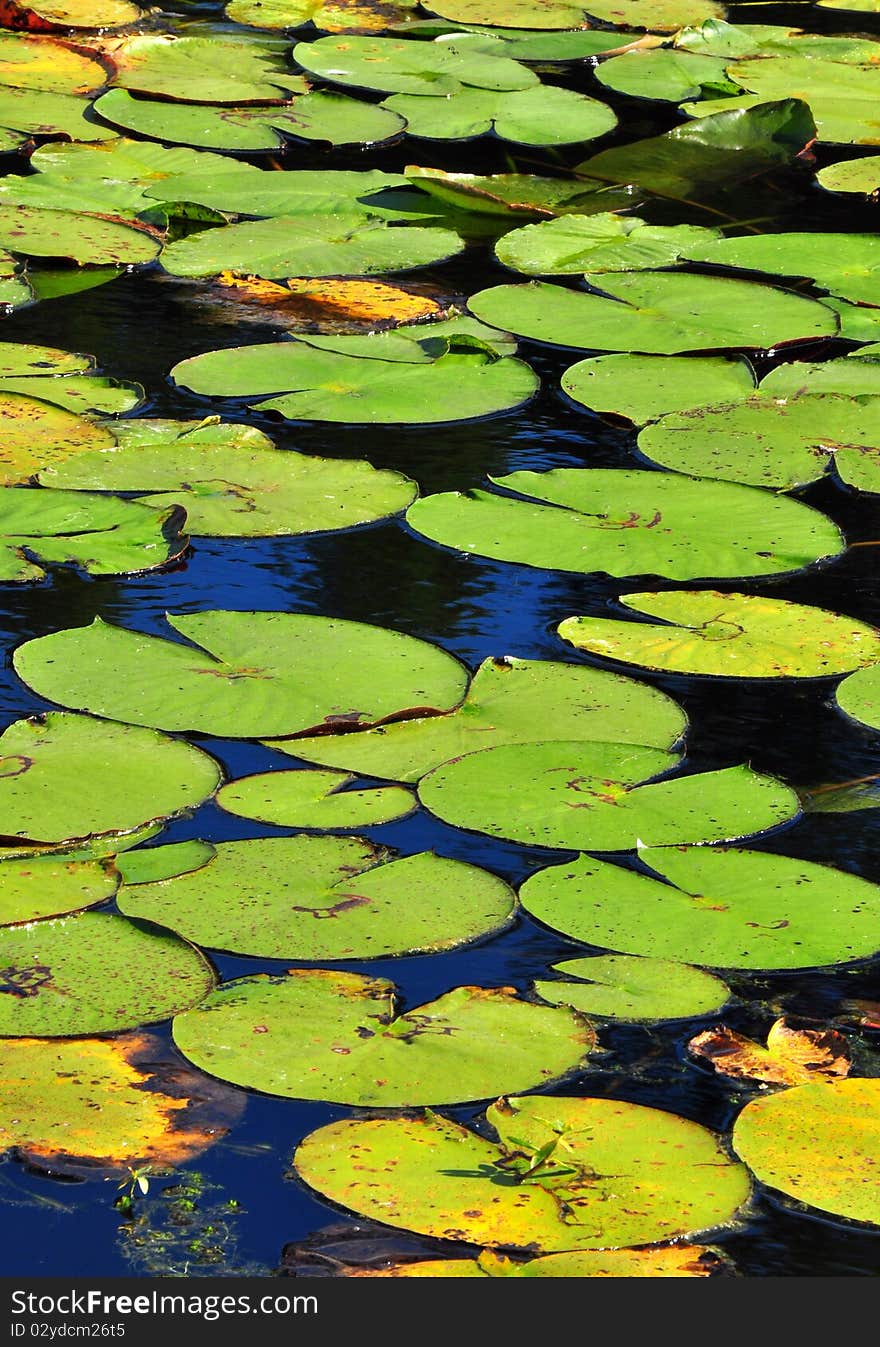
(791, 1057)
(334, 305)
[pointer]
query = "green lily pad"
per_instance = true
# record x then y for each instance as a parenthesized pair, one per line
(147, 865)
(316, 799)
(438, 1178)
(46, 886)
(94, 973)
(509, 701)
(659, 314)
(574, 244)
(644, 387)
(330, 386)
(232, 481)
(620, 987)
(243, 674)
(854, 375)
(31, 112)
(779, 442)
(717, 38)
(665, 74)
(313, 116)
(628, 523)
(685, 1260)
(846, 264)
(548, 46)
(60, 775)
(392, 65)
(728, 636)
(63, 378)
(601, 797)
(859, 695)
(334, 16)
(842, 98)
(325, 898)
(15, 288)
(86, 239)
(724, 908)
(203, 70)
(658, 15)
(48, 15)
(316, 245)
(819, 1144)
(45, 64)
(243, 189)
(546, 115)
(861, 176)
(316, 1034)
(103, 847)
(36, 433)
(507, 194)
(96, 534)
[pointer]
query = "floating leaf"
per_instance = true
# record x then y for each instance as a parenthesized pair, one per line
(334, 16)
(728, 636)
(243, 189)
(716, 38)
(316, 1034)
(846, 264)
(86, 239)
(232, 481)
(338, 306)
(49, 15)
(44, 64)
(847, 376)
(643, 387)
(315, 245)
(349, 900)
(60, 775)
(779, 442)
(518, 193)
(546, 115)
(112, 1104)
(842, 98)
(32, 112)
(94, 973)
(316, 799)
(64, 378)
(685, 1260)
(667, 74)
(43, 886)
(859, 695)
(147, 865)
(620, 987)
(550, 45)
(438, 1178)
(659, 15)
(575, 244)
(661, 313)
(628, 523)
(791, 1057)
(37, 434)
(861, 176)
(313, 116)
(722, 908)
(601, 797)
(392, 65)
(818, 1144)
(509, 701)
(203, 70)
(243, 674)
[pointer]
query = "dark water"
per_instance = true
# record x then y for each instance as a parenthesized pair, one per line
(138, 327)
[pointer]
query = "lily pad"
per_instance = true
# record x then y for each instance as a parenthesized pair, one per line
(315, 245)
(658, 15)
(49, 15)
(86, 239)
(33, 112)
(818, 1144)
(332, 305)
(147, 865)
(546, 115)
(243, 674)
(842, 98)
(326, 385)
(507, 194)
(112, 1104)
(861, 176)
(620, 987)
(574, 244)
(35, 434)
(436, 1177)
(63, 378)
(316, 1034)
(723, 908)
(203, 70)
(628, 523)
(94, 973)
(45, 886)
(847, 265)
(685, 1260)
(316, 799)
(855, 374)
(509, 701)
(47, 65)
(392, 65)
(779, 442)
(232, 481)
(666, 74)
(334, 16)
(551, 45)
(61, 773)
(644, 387)
(325, 898)
(729, 636)
(859, 695)
(314, 116)
(659, 314)
(601, 797)
(242, 189)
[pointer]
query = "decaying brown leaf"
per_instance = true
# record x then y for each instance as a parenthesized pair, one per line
(791, 1057)
(333, 305)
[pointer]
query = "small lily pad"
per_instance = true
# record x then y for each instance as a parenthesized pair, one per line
(728, 636)
(36, 433)
(94, 973)
(666, 74)
(48, 65)
(546, 115)
(859, 695)
(860, 176)
(601, 797)
(316, 1034)
(307, 799)
(63, 378)
(147, 865)
(818, 1144)
(574, 244)
(324, 898)
(31, 112)
(506, 194)
(46, 886)
(644, 387)
(620, 987)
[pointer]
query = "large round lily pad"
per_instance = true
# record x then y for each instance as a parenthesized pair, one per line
(629, 523)
(546, 115)
(48, 886)
(644, 387)
(395, 65)
(728, 636)
(509, 701)
(94, 973)
(324, 898)
(60, 777)
(847, 265)
(243, 674)
(721, 908)
(203, 69)
(667, 73)
(574, 244)
(313, 799)
(662, 314)
(316, 1034)
(231, 479)
(601, 797)
(621, 987)
(606, 1174)
(819, 1144)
